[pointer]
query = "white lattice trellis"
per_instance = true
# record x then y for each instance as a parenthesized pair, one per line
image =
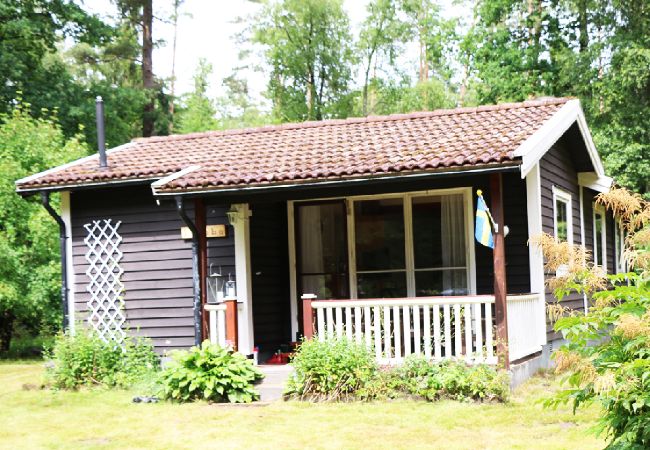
(105, 287)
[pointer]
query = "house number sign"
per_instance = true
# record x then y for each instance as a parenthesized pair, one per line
(211, 231)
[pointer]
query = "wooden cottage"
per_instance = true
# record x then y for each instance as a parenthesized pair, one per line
(361, 227)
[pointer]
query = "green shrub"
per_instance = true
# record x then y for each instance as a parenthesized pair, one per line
(333, 369)
(84, 359)
(210, 373)
(449, 379)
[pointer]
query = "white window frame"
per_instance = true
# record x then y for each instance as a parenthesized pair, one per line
(564, 197)
(408, 240)
(598, 209)
(620, 265)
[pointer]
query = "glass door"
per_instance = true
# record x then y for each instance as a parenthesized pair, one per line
(321, 249)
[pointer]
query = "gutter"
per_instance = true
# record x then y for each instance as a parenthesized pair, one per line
(196, 282)
(299, 186)
(45, 200)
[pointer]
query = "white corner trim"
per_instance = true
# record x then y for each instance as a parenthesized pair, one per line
(169, 178)
(243, 278)
(66, 215)
(533, 148)
(535, 257)
(595, 182)
(71, 164)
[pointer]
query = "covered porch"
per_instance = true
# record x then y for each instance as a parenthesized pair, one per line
(393, 266)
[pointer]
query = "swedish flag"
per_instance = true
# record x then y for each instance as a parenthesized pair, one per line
(483, 230)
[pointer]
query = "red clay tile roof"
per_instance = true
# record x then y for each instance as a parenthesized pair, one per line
(462, 138)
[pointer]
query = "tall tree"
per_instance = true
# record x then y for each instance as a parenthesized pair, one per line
(381, 34)
(199, 112)
(308, 47)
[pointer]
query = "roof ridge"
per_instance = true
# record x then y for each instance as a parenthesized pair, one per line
(543, 101)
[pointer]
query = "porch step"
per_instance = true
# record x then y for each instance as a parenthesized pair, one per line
(274, 382)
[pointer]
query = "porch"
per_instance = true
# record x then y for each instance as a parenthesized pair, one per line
(397, 269)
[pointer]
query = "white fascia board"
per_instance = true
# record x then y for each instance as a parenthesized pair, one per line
(534, 148)
(172, 177)
(593, 181)
(68, 165)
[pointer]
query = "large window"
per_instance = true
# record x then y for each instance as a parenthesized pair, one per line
(562, 222)
(399, 246)
(619, 247)
(600, 237)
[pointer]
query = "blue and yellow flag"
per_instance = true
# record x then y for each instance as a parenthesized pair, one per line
(483, 230)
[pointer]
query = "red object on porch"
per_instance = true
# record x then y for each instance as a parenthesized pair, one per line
(231, 322)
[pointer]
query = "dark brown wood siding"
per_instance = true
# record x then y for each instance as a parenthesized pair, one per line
(157, 263)
(557, 169)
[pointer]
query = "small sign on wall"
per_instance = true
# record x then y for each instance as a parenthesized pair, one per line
(211, 231)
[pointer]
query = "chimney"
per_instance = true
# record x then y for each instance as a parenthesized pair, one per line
(101, 138)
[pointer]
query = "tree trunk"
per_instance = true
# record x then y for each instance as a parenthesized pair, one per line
(582, 25)
(177, 4)
(147, 67)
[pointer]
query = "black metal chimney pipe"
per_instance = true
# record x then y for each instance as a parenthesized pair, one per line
(101, 136)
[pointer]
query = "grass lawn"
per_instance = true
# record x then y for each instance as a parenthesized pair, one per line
(108, 419)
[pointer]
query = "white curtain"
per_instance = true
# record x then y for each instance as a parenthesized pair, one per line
(453, 244)
(311, 247)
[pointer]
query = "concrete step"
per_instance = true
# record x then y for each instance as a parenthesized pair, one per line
(274, 382)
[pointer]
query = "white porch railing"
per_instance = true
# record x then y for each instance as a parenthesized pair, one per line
(524, 325)
(436, 327)
(217, 323)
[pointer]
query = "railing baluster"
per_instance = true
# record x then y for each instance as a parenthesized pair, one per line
(479, 332)
(489, 345)
(330, 322)
(427, 331)
(387, 339)
(339, 322)
(447, 316)
(377, 323)
(367, 326)
(417, 344)
(406, 310)
(436, 332)
(358, 332)
(398, 334)
(468, 332)
(348, 323)
(458, 334)
(320, 317)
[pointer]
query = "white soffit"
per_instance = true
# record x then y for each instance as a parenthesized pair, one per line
(592, 181)
(533, 148)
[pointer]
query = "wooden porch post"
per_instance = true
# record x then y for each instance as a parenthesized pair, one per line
(200, 221)
(232, 331)
(499, 255)
(308, 316)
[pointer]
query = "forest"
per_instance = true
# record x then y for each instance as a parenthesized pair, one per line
(56, 57)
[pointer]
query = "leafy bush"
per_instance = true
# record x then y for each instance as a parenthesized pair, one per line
(332, 369)
(607, 355)
(84, 359)
(449, 379)
(210, 373)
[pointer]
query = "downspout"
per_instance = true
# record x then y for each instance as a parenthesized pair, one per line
(196, 282)
(45, 199)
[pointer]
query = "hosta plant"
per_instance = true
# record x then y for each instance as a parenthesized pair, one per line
(211, 373)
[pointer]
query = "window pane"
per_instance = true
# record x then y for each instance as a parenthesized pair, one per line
(440, 282)
(598, 237)
(439, 231)
(561, 223)
(381, 285)
(329, 286)
(379, 234)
